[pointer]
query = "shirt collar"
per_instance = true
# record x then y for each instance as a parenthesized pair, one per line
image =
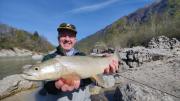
(71, 52)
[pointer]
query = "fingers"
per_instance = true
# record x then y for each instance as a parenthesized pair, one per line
(59, 83)
(116, 64)
(113, 67)
(106, 71)
(64, 86)
(71, 87)
(76, 84)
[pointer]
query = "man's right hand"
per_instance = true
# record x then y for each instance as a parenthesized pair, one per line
(65, 85)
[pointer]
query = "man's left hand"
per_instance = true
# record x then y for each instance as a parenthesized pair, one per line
(113, 67)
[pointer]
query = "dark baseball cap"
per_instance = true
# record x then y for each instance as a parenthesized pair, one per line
(66, 26)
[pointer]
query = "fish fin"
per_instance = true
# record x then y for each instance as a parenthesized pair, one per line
(99, 81)
(70, 78)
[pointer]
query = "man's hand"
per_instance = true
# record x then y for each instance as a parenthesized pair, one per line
(113, 67)
(65, 85)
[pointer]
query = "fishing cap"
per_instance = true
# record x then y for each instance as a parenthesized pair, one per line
(66, 26)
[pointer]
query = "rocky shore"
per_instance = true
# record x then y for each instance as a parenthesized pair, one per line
(146, 74)
(16, 52)
(13, 84)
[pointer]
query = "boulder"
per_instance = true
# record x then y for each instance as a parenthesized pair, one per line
(163, 42)
(158, 49)
(13, 84)
(136, 92)
(109, 81)
(37, 57)
(135, 56)
(163, 75)
(14, 52)
(99, 97)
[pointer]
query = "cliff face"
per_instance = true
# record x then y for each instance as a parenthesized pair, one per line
(138, 28)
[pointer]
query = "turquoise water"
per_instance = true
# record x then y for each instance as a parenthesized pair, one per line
(13, 65)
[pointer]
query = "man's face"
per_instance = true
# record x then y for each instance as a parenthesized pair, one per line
(67, 40)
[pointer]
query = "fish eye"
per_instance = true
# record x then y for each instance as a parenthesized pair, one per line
(36, 68)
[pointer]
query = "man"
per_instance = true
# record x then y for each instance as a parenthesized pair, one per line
(67, 40)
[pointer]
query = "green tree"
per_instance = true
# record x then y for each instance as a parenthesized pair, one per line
(35, 36)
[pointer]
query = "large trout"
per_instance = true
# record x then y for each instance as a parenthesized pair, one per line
(69, 67)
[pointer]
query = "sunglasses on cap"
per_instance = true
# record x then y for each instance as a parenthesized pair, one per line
(66, 26)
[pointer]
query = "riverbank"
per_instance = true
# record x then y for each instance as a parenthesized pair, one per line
(17, 52)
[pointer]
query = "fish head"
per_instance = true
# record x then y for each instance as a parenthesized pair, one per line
(42, 71)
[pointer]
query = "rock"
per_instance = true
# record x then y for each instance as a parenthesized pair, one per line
(99, 97)
(158, 48)
(15, 52)
(175, 43)
(93, 89)
(163, 75)
(119, 80)
(109, 81)
(163, 42)
(37, 57)
(134, 57)
(136, 92)
(123, 66)
(4, 52)
(160, 42)
(22, 52)
(13, 84)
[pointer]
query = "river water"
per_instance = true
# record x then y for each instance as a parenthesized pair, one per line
(13, 65)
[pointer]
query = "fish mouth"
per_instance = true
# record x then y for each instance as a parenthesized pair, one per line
(27, 73)
(28, 76)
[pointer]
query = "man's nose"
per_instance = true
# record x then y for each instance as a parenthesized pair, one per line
(67, 37)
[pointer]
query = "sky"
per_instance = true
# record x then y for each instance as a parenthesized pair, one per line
(44, 16)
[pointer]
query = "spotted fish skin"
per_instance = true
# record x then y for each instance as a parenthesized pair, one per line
(68, 67)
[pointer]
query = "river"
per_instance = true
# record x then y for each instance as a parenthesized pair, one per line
(13, 65)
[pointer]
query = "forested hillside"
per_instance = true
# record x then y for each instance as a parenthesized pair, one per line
(160, 18)
(12, 37)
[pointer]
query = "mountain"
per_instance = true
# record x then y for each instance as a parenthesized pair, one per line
(12, 37)
(160, 18)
